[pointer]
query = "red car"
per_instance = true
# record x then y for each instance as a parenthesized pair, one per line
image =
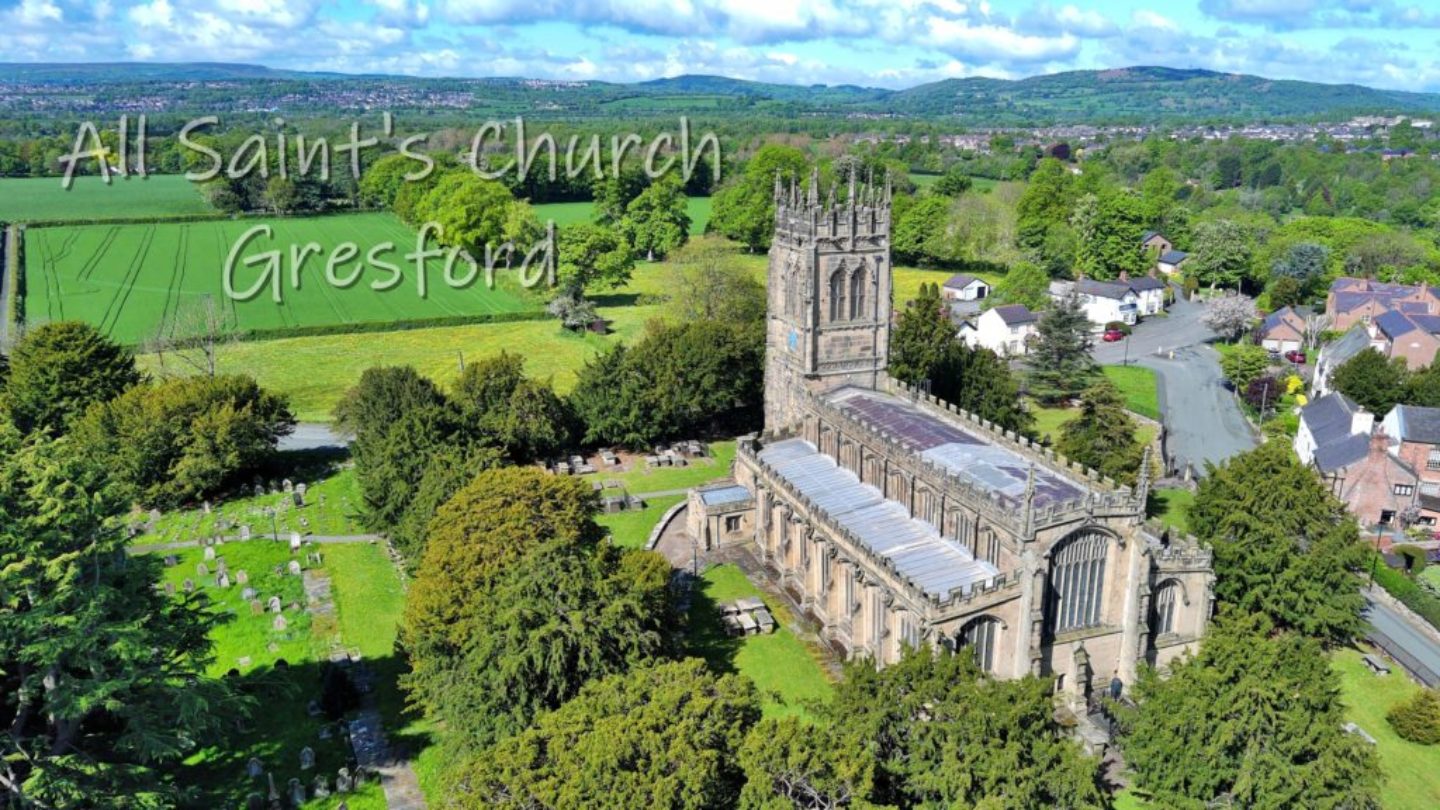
(1295, 356)
(1112, 335)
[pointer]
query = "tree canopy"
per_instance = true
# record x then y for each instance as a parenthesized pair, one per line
(58, 370)
(1060, 362)
(1102, 436)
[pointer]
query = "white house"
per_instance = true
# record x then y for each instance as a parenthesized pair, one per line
(1149, 295)
(1334, 354)
(1102, 301)
(964, 287)
(1003, 330)
(1333, 432)
(1170, 261)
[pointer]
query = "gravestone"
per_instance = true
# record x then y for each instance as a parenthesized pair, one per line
(154, 516)
(314, 558)
(279, 624)
(248, 594)
(202, 570)
(294, 567)
(307, 758)
(188, 586)
(169, 589)
(320, 788)
(243, 660)
(245, 532)
(274, 604)
(295, 541)
(289, 487)
(241, 577)
(359, 777)
(221, 567)
(297, 793)
(207, 506)
(254, 768)
(343, 783)
(313, 709)
(299, 497)
(223, 580)
(171, 561)
(255, 607)
(259, 489)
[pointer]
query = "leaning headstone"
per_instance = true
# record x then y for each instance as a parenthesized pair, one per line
(169, 589)
(343, 783)
(297, 793)
(320, 788)
(279, 624)
(294, 568)
(245, 532)
(274, 605)
(188, 586)
(223, 580)
(289, 487)
(254, 768)
(241, 577)
(307, 758)
(171, 561)
(202, 570)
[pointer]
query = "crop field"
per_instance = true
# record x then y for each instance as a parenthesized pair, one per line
(129, 279)
(34, 199)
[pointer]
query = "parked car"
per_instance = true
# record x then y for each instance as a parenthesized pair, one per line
(1296, 356)
(1112, 335)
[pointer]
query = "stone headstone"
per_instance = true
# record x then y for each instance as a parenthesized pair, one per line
(343, 782)
(169, 589)
(223, 580)
(221, 567)
(254, 801)
(299, 497)
(154, 515)
(208, 507)
(202, 570)
(243, 661)
(242, 577)
(289, 487)
(279, 624)
(307, 758)
(274, 604)
(256, 608)
(325, 731)
(254, 768)
(320, 788)
(171, 561)
(259, 489)
(313, 708)
(247, 594)
(297, 792)
(295, 541)
(188, 586)
(245, 532)
(294, 568)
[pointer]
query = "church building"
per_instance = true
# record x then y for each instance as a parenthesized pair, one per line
(894, 519)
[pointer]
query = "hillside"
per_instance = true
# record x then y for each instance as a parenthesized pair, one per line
(1120, 95)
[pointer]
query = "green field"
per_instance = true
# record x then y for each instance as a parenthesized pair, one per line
(35, 199)
(1412, 771)
(576, 213)
(129, 279)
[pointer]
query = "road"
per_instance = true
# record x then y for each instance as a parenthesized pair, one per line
(5, 287)
(1411, 643)
(313, 436)
(1203, 422)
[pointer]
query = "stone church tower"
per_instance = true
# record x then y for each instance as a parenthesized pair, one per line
(828, 319)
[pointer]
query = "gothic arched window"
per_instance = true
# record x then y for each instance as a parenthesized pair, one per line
(1077, 580)
(858, 281)
(1163, 607)
(837, 295)
(981, 636)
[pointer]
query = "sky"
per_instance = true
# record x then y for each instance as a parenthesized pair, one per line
(879, 43)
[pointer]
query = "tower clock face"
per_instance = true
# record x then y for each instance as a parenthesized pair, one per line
(793, 341)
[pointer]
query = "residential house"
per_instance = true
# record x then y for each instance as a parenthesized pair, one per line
(1362, 300)
(964, 287)
(1412, 337)
(1334, 354)
(1156, 241)
(1149, 295)
(1169, 262)
(1121, 300)
(1004, 330)
(1335, 437)
(1326, 422)
(1283, 330)
(1414, 436)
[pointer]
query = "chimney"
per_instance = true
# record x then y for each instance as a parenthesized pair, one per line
(1362, 421)
(1125, 276)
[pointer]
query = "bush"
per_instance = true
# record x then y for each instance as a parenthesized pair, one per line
(1414, 557)
(1263, 392)
(1402, 587)
(1417, 719)
(1118, 326)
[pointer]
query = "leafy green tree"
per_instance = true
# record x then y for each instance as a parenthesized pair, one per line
(381, 182)
(1244, 364)
(502, 407)
(470, 210)
(1026, 284)
(954, 182)
(1060, 362)
(517, 604)
(1305, 262)
(708, 282)
(744, 208)
(1102, 437)
(102, 676)
(448, 469)
(1047, 201)
(591, 258)
(1284, 546)
(919, 231)
(614, 194)
(1286, 292)
(942, 734)
(664, 735)
(1373, 381)
(1423, 387)
(1253, 721)
(1221, 253)
(58, 370)
(179, 440)
(1107, 235)
(1417, 718)
(656, 222)
(921, 337)
(790, 763)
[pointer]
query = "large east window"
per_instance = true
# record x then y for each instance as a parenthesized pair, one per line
(1077, 582)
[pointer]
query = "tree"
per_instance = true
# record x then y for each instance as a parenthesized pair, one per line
(656, 222)
(1417, 718)
(664, 735)
(919, 230)
(177, 441)
(502, 407)
(1102, 437)
(102, 676)
(1284, 547)
(1375, 382)
(1046, 202)
(1262, 393)
(1286, 292)
(1423, 387)
(1026, 284)
(792, 763)
(942, 734)
(1230, 316)
(1244, 363)
(921, 337)
(1060, 362)
(954, 182)
(1253, 721)
(470, 211)
(1221, 253)
(592, 257)
(516, 604)
(744, 208)
(707, 282)
(573, 309)
(57, 370)
(1107, 233)
(1305, 262)
(382, 181)
(195, 334)
(448, 470)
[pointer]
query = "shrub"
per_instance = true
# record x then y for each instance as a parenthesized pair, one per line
(1263, 392)
(1118, 326)
(1418, 718)
(1414, 557)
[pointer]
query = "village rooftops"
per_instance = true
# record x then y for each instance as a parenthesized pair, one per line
(1173, 256)
(1417, 424)
(934, 564)
(960, 281)
(968, 454)
(1016, 314)
(1347, 346)
(1103, 289)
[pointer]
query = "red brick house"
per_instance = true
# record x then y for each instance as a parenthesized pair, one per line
(1283, 330)
(1362, 300)
(1414, 436)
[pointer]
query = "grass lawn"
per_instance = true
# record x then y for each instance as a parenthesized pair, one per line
(1050, 421)
(1139, 388)
(1173, 507)
(332, 498)
(1412, 771)
(660, 479)
(906, 282)
(787, 673)
(632, 529)
(35, 199)
(129, 279)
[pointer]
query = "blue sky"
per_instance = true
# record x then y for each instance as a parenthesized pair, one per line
(889, 43)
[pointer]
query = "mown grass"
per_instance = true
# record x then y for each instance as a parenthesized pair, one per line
(697, 471)
(1172, 507)
(1412, 771)
(787, 672)
(631, 529)
(1138, 386)
(35, 199)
